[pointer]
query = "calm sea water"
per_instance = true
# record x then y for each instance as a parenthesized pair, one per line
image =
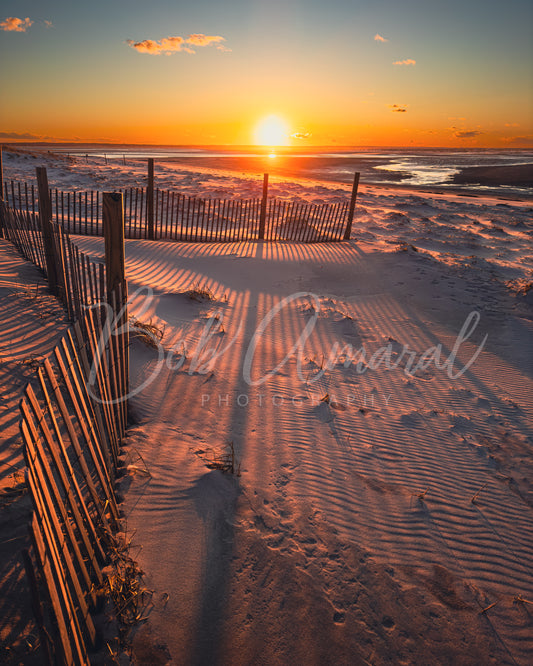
(413, 167)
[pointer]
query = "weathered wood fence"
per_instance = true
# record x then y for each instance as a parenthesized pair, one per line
(74, 420)
(159, 214)
(71, 445)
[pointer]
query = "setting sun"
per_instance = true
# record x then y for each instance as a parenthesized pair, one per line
(272, 131)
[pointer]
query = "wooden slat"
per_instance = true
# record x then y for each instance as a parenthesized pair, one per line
(91, 442)
(59, 453)
(79, 367)
(101, 374)
(74, 506)
(54, 590)
(48, 518)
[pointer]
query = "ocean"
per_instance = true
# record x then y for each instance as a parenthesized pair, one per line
(419, 168)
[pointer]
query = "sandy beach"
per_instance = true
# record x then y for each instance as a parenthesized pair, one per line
(377, 396)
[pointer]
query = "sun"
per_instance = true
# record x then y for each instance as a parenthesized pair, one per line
(272, 131)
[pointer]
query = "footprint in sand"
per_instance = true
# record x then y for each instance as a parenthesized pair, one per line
(323, 412)
(412, 420)
(388, 622)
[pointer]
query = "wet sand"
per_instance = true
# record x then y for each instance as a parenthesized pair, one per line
(518, 175)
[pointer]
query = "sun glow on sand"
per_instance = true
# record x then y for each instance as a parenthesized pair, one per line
(272, 131)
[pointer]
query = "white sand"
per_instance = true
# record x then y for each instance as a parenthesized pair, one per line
(350, 535)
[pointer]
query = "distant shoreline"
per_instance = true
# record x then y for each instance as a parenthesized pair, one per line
(518, 175)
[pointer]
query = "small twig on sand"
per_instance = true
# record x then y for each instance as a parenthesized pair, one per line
(488, 607)
(520, 600)
(474, 498)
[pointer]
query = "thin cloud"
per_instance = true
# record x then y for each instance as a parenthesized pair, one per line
(48, 24)
(166, 45)
(301, 135)
(396, 108)
(467, 134)
(379, 38)
(204, 40)
(13, 24)
(26, 136)
(170, 45)
(408, 61)
(526, 140)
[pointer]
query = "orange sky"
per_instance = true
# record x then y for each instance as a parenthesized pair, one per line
(349, 73)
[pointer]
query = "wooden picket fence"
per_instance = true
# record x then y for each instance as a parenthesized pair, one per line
(71, 446)
(162, 214)
(73, 423)
(81, 285)
(22, 228)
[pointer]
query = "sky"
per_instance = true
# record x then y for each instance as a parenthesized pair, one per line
(293, 72)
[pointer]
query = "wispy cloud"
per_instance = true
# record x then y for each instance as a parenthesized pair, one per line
(166, 45)
(408, 61)
(26, 136)
(379, 38)
(512, 125)
(397, 108)
(301, 135)
(13, 24)
(467, 134)
(526, 140)
(204, 40)
(169, 45)
(48, 24)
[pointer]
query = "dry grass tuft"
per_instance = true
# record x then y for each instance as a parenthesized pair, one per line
(137, 466)
(148, 333)
(224, 461)
(124, 586)
(199, 292)
(33, 361)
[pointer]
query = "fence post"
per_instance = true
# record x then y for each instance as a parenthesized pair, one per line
(262, 219)
(348, 231)
(45, 217)
(113, 219)
(2, 235)
(116, 289)
(150, 199)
